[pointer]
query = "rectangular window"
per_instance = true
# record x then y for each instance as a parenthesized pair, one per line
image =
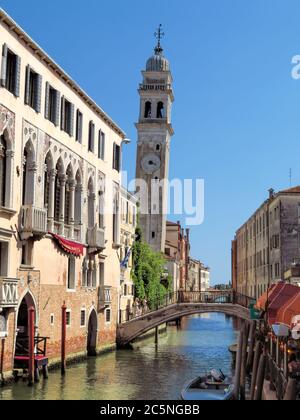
(67, 116)
(101, 145)
(101, 274)
(79, 122)
(108, 316)
(91, 137)
(52, 105)
(52, 320)
(82, 318)
(68, 318)
(10, 71)
(71, 273)
(33, 89)
(3, 259)
(117, 157)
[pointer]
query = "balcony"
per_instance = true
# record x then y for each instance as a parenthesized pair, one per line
(8, 293)
(33, 221)
(96, 239)
(104, 297)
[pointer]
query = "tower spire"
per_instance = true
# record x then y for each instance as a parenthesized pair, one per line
(159, 35)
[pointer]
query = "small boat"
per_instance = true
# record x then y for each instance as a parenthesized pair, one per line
(213, 387)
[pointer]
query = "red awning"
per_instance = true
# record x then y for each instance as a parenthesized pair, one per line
(290, 309)
(282, 301)
(70, 247)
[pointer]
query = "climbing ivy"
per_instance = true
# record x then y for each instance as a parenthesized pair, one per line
(149, 274)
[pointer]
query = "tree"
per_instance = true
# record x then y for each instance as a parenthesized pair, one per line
(149, 275)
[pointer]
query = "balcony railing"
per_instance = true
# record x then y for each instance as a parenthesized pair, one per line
(33, 221)
(8, 293)
(104, 296)
(96, 238)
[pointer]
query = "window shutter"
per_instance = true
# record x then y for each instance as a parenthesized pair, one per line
(103, 146)
(27, 89)
(99, 145)
(38, 97)
(57, 108)
(80, 120)
(4, 65)
(71, 120)
(62, 119)
(47, 101)
(114, 156)
(17, 76)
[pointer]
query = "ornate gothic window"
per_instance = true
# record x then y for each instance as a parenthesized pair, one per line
(91, 204)
(2, 170)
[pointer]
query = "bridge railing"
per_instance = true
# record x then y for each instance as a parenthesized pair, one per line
(210, 297)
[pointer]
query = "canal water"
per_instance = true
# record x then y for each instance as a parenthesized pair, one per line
(146, 372)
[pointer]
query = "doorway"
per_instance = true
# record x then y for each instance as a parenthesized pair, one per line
(22, 324)
(92, 334)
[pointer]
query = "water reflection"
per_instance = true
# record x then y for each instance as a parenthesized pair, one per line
(146, 372)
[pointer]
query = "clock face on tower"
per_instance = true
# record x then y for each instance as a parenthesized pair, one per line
(150, 163)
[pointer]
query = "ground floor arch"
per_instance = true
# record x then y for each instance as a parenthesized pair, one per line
(22, 323)
(92, 334)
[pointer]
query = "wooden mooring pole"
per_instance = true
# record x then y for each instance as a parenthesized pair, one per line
(238, 365)
(63, 338)
(260, 378)
(257, 353)
(244, 361)
(156, 336)
(31, 319)
(251, 346)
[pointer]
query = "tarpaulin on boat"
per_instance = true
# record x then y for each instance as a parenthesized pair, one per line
(282, 302)
(69, 246)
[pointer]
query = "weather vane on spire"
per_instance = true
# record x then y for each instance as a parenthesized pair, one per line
(159, 35)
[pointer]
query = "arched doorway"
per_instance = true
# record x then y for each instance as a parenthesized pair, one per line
(22, 323)
(92, 334)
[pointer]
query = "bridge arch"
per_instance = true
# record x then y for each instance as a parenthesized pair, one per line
(133, 329)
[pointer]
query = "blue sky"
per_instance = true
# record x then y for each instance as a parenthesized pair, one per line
(237, 110)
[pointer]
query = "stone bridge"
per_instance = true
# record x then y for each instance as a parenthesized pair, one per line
(180, 305)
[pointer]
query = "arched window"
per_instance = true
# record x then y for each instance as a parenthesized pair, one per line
(160, 110)
(148, 110)
(47, 179)
(58, 190)
(3, 149)
(78, 198)
(28, 175)
(91, 204)
(69, 196)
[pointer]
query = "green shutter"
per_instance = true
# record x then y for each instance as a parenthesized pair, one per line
(62, 114)
(103, 145)
(57, 108)
(17, 76)
(38, 96)
(3, 67)
(71, 120)
(27, 85)
(47, 101)
(80, 126)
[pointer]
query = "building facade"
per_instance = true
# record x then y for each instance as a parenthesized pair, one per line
(153, 149)
(268, 244)
(199, 276)
(128, 227)
(177, 252)
(60, 158)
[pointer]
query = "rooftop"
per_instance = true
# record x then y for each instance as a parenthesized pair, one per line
(25, 39)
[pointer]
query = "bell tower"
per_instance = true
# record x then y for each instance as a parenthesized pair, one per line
(155, 131)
